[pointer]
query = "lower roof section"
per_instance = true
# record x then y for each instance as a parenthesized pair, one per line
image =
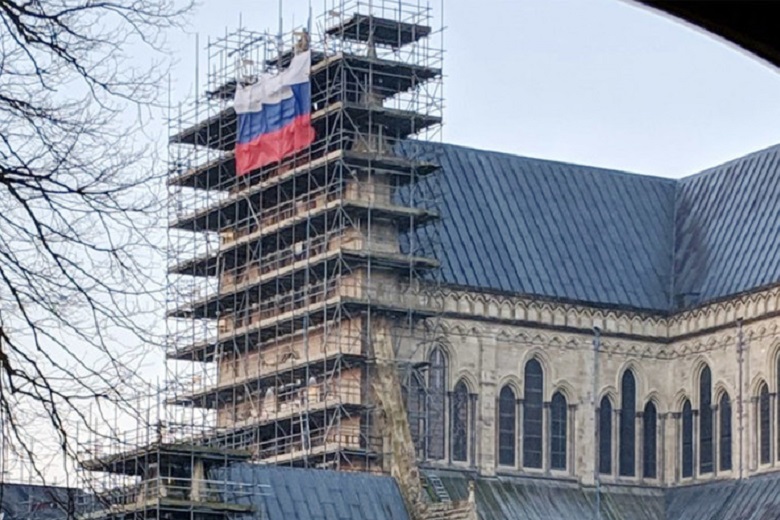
(757, 498)
(319, 494)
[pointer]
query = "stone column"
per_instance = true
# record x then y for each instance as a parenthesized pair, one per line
(772, 428)
(473, 433)
(715, 440)
(695, 435)
(448, 428)
(487, 419)
(755, 435)
(660, 457)
(571, 435)
(639, 467)
(615, 442)
(546, 444)
(520, 434)
(678, 448)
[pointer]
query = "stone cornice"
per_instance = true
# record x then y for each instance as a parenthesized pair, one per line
(626, 332)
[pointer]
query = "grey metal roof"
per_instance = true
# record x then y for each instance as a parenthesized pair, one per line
(728, 228)
(605, 237)
(539, 499)
(33, 502)
(294, 493)
(756, 498)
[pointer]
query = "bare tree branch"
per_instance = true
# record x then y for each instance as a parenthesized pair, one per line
(79, 207)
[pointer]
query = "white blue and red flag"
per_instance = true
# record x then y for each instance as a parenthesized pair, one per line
(274, 116)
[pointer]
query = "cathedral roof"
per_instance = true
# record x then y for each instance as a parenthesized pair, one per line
(756, 498)
(317, 494)
(602, 237)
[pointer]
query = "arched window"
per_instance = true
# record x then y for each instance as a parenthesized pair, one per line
(705, 421)
(533, 385)
(437, 384)
(626, 464)
(687, 439)
(605, 436)
(650, 441)
(558, 431)
(507, 426)
(724, 411)
(460, 422)
(416, 410)
(763, 422)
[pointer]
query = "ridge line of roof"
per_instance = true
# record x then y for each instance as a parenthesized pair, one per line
(729, 162)
(603, 169)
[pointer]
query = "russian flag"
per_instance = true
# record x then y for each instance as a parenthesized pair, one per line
(274, 116)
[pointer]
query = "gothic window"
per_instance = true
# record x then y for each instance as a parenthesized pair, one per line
(416, 410)
(650, 441)
(605, 436)
(558, 431)
(437, 381)
(533, 385)
(460, 422)
(724, 410)
(507, 425)
(763, 422)
(687, 440)
(627, 424)
(706, 464)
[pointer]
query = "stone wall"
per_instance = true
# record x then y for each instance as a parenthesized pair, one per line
(488, 339)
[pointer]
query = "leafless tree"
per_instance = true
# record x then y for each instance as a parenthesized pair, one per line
(79, 203)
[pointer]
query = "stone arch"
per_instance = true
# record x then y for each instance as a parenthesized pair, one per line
(639, 380)
(773, 360)
(572, 317)
(477, 331)
(520, 336)
(567, 389)
(480, 304)
(698, 364)
(721, 387)
(611, 393)
(546, 313)
(506, 309)
(541, 356)
(538, 340)
(711, 317)
(679, 399)
(458, 330)
(555, 341)
(504, 334)
(756, 382)
(653, 397)
(731, 313)
(513, 381)
(492, 307)
(466, 377)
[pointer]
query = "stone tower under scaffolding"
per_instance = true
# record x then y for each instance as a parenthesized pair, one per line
(303, 280)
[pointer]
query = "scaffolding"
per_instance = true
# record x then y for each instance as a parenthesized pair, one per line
(292, 287)
(282, 279)
(164, 471)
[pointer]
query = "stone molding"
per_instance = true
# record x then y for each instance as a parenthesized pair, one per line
(624, 332)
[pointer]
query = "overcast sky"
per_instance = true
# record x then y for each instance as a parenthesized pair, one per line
(598, 82)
